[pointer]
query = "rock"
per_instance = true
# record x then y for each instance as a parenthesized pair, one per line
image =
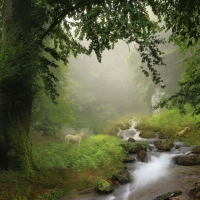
(131, 140)
(129, 158)
(177, 146)
(150, 147)
(191, 159)
(196, 150)
(104, 187)
(123, 176)
(147, 134)
(168, 195)
(134, 147)
(195, 192)
(142, 156)
(164, 146)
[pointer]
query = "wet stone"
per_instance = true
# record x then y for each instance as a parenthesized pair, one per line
(168, 195)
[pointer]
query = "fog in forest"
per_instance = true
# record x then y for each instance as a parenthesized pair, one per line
(117, 86)
(93, 93)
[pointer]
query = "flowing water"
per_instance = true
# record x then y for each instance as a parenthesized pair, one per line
(160, 175)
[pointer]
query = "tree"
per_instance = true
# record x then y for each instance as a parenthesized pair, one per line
(182, 17)
(24, 32)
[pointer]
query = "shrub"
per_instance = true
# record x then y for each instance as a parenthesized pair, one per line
(99, 151)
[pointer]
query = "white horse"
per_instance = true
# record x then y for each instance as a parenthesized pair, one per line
(74, 138)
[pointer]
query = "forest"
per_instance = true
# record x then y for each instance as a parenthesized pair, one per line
(94, 67)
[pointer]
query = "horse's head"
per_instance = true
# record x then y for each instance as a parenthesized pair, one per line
(187, 128)
(82, 133)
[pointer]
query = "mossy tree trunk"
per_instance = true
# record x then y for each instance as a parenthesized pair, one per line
(16, 80)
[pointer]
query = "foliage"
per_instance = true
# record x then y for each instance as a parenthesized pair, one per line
(52, 195)
(149, 92)
(181, 17)
(60, 172)
(168, 122)
(102, 24)
(189, 83)
(95, 152)
(103, 186)
(48, 117)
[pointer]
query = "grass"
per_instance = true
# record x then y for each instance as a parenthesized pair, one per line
(64, 167)
(168, 122)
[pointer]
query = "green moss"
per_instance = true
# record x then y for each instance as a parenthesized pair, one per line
(20, 150)
(103, 186)
(147, 134)
(134, 147)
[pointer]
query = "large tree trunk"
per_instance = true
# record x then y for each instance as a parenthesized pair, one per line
(16, 87)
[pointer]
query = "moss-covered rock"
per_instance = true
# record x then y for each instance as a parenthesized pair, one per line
(134, 147)
(104, 187)
(147, 134)
(123, 176)
(123, 125)
(131, 140)
(164, 145)
(191, 159)
(129, 159)
(168, 195)
(196, 150)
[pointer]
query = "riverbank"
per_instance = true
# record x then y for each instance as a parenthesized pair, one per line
(64, 167)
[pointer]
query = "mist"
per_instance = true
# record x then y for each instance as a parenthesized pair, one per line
(117, 86)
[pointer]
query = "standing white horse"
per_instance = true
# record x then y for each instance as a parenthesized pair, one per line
(74, 138)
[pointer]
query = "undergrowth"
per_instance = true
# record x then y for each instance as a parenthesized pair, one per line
(64, 167)
(168, 122)
(100, 151)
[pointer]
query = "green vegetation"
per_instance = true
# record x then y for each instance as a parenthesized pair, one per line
(93, 153)
(27, 57)
(63, 167)
(168, 122)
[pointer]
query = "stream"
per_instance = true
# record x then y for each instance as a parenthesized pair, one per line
(160, 175)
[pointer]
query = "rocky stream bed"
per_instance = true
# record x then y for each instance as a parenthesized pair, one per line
(155, 170)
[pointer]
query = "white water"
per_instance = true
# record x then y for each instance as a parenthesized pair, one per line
(150, 173)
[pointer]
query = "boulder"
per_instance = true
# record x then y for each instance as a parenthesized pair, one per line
(190, 159)
(151, 147)
(123, 176)
(164, 145)
(134, 147)
(142, 156)
(195, 191)
(147, 134)
(196, 150)
(104, 187)
(131, 140)
(129, 159)
(168, 195)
